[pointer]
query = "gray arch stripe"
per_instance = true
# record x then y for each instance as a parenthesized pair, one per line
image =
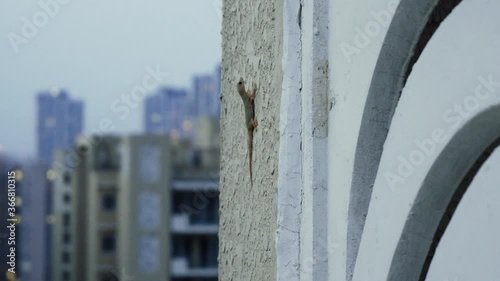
(388, 79)
(435, 197)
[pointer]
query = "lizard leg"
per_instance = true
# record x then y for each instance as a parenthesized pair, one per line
(251, 96)
(253, 124)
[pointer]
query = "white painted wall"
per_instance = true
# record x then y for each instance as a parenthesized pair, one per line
(350, 80)
(469, 249)
(447, 74)
(453, 65)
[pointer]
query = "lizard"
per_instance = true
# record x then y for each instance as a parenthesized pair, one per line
(248, 99)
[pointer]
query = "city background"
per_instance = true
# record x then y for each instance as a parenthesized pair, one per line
(111, 126)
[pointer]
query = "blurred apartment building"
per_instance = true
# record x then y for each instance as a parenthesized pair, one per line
(132, 208)
(61, 236)
(60, 120)
(195, 208)
(116, 219)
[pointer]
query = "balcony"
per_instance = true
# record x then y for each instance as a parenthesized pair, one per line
(181, 269)
(196, 185)
(181, 225)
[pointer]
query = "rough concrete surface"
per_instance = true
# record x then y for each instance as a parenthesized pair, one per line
(252, 49)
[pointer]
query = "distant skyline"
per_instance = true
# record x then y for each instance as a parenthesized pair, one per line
(99, 51)
(60, 121)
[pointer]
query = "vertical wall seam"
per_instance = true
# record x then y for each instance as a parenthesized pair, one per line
(289, 191)
(315, 243)
(301, 214)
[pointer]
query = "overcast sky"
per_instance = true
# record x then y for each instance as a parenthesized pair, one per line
(98, 51)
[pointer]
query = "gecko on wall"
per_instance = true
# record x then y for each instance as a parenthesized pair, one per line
(248, 99)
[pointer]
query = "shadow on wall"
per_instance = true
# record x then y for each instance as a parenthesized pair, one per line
(412, 27)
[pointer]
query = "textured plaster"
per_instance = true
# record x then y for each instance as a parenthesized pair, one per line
(252, 49)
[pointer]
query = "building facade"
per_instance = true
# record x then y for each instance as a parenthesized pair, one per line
(60, 120)
(120, 217)
(36, 210)
(143, 207)
(62, 237)
(195, 205)
(377, 143)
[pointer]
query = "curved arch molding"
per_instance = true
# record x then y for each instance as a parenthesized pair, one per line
(445, 184)
(411, 28)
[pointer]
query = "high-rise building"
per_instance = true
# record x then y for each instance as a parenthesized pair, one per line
(172, 111)
(60, 120)
(169, 112)
(35, 233)
(206, 98)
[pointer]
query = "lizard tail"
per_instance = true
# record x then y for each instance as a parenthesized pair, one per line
(250, 154)
(251, 174)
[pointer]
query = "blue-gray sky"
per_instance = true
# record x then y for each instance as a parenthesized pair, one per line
(98, 51)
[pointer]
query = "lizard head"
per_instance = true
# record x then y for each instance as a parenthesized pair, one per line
(241, 86)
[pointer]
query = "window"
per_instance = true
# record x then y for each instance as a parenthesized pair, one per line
(106, 158)
(179, 246)
(66, 276)
(66, 238)
(109, 202)
(108, 242)
(108, 277)
(67, 177)
(66, 219)
(66, 198)
(66, 257)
